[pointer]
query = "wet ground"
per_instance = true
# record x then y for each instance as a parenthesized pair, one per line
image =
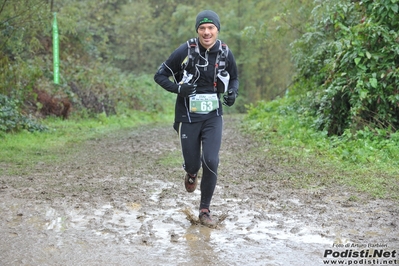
(120, 200)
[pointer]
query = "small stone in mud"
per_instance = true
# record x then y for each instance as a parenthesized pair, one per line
(145, 240)
(295, 230)
(174, 237)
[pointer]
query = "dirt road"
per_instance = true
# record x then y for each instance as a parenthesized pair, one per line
(120, 200)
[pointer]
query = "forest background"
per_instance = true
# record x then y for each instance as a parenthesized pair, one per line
(317, 77)
(111, 49)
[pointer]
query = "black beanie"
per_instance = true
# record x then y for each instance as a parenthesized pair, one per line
(207, 16)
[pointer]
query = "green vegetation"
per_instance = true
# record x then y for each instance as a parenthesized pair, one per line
(340, 116)
(364, 160)
(106, 47)
(348, 61)
(12, 120)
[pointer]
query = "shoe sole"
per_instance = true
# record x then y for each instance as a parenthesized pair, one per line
(190, 187)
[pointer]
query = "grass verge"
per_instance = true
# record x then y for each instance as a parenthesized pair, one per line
(24, 149)
(361, 160)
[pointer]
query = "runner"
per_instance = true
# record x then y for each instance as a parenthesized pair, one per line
(198, 68)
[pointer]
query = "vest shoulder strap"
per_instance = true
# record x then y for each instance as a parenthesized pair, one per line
(223, 53)
(193, 51)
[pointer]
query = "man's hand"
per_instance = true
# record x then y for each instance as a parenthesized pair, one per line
(187, 90)
(230, 98)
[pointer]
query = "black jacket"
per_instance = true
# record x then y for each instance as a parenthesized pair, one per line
(205, 81)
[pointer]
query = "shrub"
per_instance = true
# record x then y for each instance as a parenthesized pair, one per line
(351, 56)
(11, 120)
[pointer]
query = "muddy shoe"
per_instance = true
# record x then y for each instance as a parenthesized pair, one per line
(206, 219)
(190, 182)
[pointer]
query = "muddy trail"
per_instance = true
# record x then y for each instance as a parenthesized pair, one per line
(120, 200)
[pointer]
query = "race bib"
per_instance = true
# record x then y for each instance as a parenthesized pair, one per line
(204, 103)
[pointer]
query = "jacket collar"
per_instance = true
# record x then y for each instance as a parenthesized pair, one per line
(214, 48)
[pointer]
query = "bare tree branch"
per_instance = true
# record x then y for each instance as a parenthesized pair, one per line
(2, 6)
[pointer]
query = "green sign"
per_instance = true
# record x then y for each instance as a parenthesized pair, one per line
(56, 51)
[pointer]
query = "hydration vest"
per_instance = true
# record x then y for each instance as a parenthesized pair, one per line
(193, 58)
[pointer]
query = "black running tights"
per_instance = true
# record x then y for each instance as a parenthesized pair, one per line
(208, 135)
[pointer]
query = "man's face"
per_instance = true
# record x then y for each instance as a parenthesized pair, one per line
(207, 34)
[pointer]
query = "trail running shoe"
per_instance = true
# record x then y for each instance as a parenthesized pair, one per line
(190, 182)
(206, 219)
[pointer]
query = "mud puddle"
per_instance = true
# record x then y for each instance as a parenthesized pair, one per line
(128, 233)
(116, 202)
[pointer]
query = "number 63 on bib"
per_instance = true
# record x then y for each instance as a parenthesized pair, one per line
(204, 103)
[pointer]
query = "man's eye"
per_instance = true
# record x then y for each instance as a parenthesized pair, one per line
(209, 28)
